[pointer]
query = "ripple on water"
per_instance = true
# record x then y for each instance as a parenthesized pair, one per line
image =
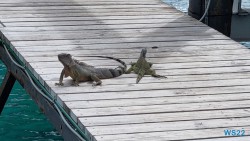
(247, 44)
(181, 5)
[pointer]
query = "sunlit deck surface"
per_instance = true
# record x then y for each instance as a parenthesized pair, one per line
(208, 84)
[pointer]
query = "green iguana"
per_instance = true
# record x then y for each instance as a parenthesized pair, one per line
(142, 67)
(81, 72)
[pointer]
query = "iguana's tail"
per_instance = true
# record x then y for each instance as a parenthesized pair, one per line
(124, 68)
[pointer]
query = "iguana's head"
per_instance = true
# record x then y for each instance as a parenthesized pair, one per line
(143, 53)
(66, 59)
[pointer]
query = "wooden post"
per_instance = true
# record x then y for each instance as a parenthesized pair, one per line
(219, 13)
(7, 84)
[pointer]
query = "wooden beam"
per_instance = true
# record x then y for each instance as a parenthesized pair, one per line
(7, 84)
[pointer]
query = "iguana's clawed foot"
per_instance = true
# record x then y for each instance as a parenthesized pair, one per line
(159, 76)
(97, 83)
(94, 85)
(75, 83)
(59, 84)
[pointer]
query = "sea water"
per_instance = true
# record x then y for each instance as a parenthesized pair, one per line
(21, 119)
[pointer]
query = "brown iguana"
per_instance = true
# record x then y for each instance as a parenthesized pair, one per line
(81, 72)
(142, 67)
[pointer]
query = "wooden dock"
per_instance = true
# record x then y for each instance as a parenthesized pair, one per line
(208, 86)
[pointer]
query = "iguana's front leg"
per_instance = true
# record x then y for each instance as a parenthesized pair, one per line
(131, 68)
(61, 78)
(75, 83)
(150, 64)
(96, 79)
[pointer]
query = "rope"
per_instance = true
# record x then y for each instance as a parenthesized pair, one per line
(206, 11)
(77, 131)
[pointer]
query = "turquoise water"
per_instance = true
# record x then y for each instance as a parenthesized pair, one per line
(21, 118)
(181, 5)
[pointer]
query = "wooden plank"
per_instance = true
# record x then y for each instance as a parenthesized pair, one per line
(168, 126)
(158, 65)
(206, 134)
(67, 96)
(204, 30)
(93, 22)
(80, 53)
(90, 35)
(87, 104)
(45, 1)
(79, 12)
(172, 108)
(240, 138)
(148, 86)
(170, 47)
(77, 3)
(101, 27)
(116, 39)
(172, 72)
(86, 7)
(117, 31)
(107, 33)
(147, 93)
(163, 117)
(91, 18)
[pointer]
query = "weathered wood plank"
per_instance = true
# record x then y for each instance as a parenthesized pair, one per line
(205, 31)
(153, 42)
(80, 12)
(163, 117)
(35, 40)
(46, 1)
(83, 88)
(107, 33)
(99, 27)
(78, 3)
(85, 7)
(147, 93)
(101, 35)
(171, 72)
(206, 134)
(240, 138)
(168, 126)
(87, 104)
(158, 65)
(170, 47)
(172, 108)
(67, 96)
(134, 54)
(91, 18)
(88, 23)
